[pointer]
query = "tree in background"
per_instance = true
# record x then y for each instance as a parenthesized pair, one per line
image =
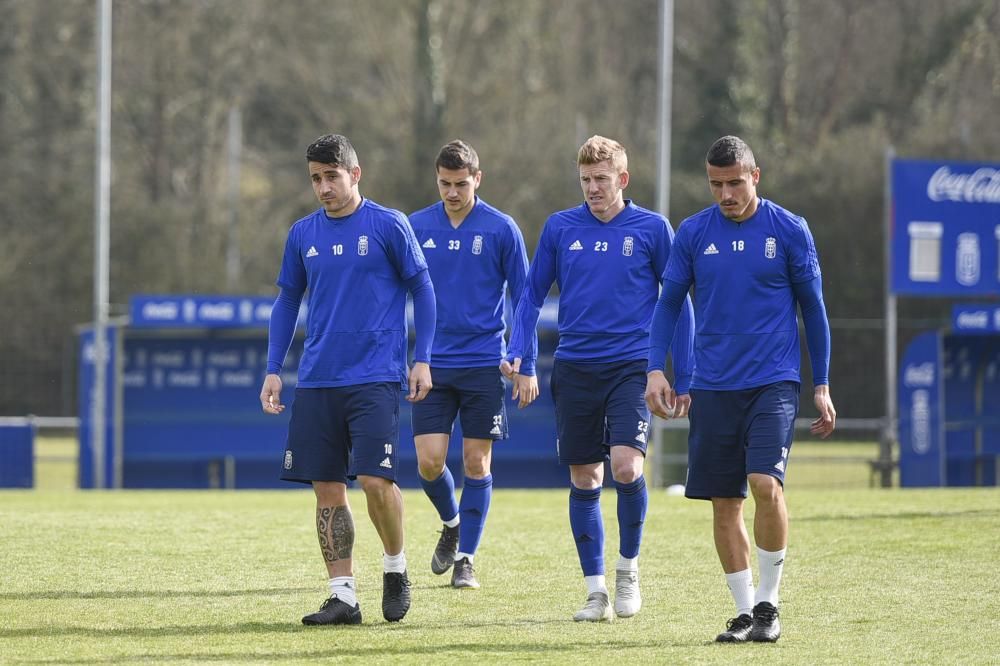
(820, 88)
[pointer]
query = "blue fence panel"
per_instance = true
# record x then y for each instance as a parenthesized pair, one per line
(190, 375)
(961, 364)
(191, 416)
(17, 455)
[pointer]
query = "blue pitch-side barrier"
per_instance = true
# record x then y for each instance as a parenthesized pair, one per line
(17, 453)
(183, 409)
(949, 403)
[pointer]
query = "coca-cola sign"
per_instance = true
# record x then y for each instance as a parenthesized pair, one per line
(945, 227)
(980, 186)
(972, 318)
(980, 319)
(921, 374)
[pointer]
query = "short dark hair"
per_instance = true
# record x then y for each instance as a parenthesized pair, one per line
(456, 155)
(730, 150)
(334, 149)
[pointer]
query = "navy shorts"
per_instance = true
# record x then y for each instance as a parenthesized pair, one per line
(736, 433)
(475, 395)
(599, 405)
(336, 434)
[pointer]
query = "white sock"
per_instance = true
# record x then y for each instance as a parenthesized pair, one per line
(595, 584)
(453, 522)
(741, 587)
(394, 563)
(627, 563)
(343, 588)
(771, 565)
(459, 556)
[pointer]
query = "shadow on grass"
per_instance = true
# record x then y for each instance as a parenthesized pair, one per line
(383, 650)
(896, 516)
(290, 627)
(151, 594)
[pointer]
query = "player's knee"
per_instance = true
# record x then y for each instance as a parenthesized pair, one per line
(477, 467)
(626, 473)
(374, 486)
(430, 469)
(476, 456)
(329, 493)
(586, 477)
(626, 464)
(765, 488)
(727, 510)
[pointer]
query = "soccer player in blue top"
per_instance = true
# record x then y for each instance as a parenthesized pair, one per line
(607, 256)
(750, 261)
(357, 260)
(474, 253)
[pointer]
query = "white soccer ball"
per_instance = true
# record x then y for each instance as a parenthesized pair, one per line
(675, 490)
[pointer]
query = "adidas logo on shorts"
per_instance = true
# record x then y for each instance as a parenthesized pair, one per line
(496, 430)
(386, 463)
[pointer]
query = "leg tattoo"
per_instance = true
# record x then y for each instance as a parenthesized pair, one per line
(335, 526)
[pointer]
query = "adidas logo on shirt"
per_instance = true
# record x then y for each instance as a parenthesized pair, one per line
(576, 245)
(429, 244)
(386, 463)
(711, 249)
(312, 251)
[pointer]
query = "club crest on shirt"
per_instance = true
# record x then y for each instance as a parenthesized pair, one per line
(627, 246)
(362, 245)
(770, 247)
(477, 245)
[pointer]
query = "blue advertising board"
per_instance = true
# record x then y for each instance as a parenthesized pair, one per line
(199, 311)
(191, 416)
(183, 409)
(945, 228)
(158, 311)
(949, 410)
(192, 419)
(973, 319)
(921, 445)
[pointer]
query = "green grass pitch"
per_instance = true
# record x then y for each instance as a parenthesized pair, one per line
(873, 576)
